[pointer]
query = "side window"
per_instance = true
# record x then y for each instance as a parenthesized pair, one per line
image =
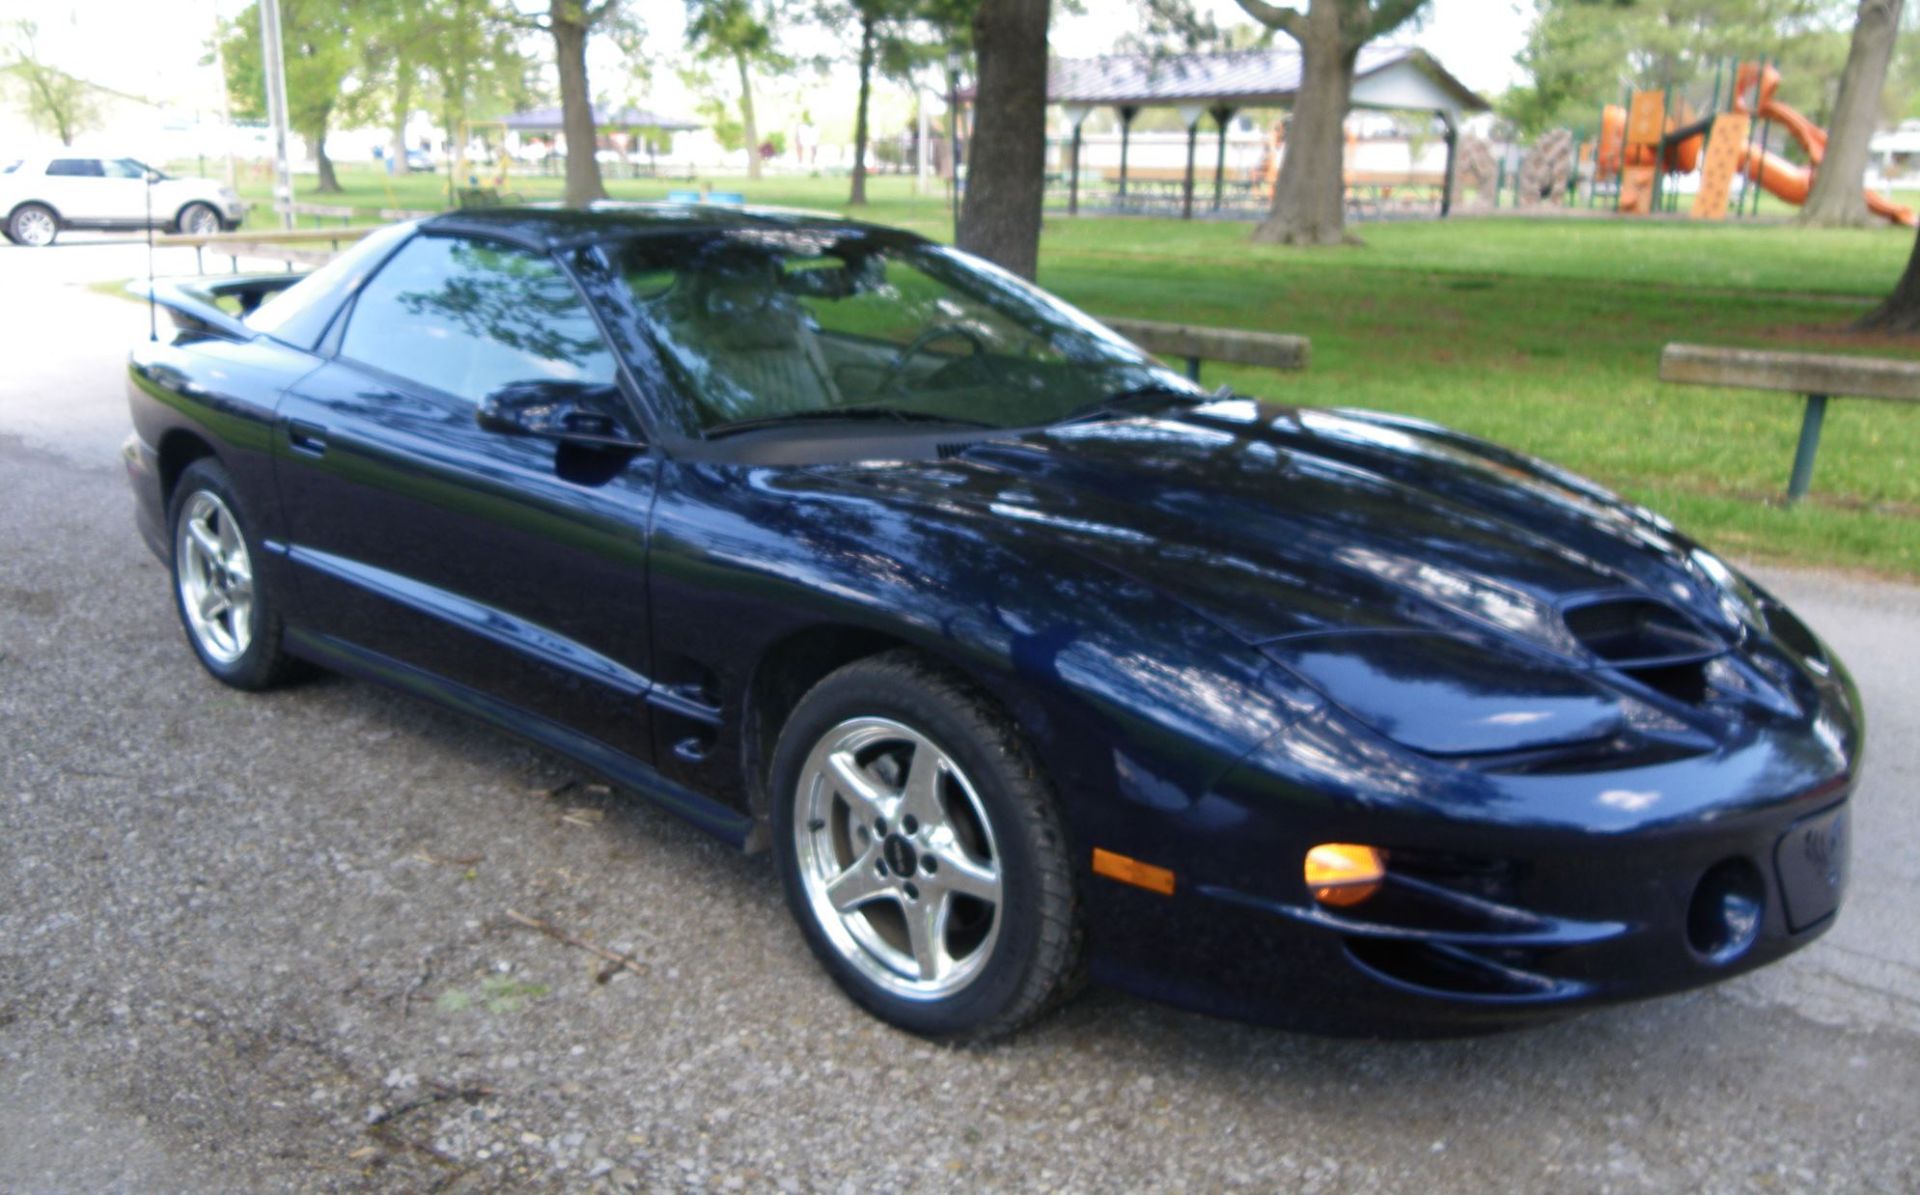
(469, 317)
(74, 167)
(123, 168)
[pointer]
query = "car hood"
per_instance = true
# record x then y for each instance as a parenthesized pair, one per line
(1283, 522)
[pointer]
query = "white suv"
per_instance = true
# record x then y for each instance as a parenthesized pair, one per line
(41, 196)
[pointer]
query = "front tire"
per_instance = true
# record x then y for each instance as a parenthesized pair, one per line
(922, 852)
(198, 219)
(33, 225)
(229, 613)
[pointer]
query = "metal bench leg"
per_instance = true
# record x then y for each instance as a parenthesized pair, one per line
(1193, 369)
(1809, 444)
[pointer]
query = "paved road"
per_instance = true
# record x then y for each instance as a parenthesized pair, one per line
(265, 943)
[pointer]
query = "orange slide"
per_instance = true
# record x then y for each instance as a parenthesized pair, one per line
(1782, 178)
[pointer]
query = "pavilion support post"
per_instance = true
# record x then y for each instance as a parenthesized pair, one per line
(1076, 115)
(1192, 116)
(1222, 117)
(1453, 150)
(1073, 175)
(1127, 113)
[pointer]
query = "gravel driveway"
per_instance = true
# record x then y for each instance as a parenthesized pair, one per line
(331, 939)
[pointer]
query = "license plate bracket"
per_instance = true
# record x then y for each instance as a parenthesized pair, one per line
(1811, 860)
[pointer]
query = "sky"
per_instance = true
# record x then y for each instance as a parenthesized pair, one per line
(154, 48)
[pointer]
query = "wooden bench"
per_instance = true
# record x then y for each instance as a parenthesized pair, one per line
(1198, 342)
(287, 245)
(319, 211)
(1819, 376)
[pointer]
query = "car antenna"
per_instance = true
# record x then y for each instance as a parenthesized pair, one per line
(153, 317)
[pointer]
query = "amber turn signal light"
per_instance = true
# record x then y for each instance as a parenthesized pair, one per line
(1343, 873)
(1132, 871)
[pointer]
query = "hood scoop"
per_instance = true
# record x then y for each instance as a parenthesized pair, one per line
(1648, 641)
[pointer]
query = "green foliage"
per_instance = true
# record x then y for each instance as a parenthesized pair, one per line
(55, 102)
(316, 38)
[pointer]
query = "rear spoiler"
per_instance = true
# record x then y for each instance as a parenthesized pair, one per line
(213, 306)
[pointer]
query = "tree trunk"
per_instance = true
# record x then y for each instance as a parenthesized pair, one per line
(327, 184)
(748, 129)
(402, 105)
(1006, 159)
(1310, 196)
(858, 195)
(576, 105)
(1839, 195)
(1900, 311)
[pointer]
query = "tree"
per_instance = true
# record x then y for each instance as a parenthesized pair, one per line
(1309, 197)
(1006, 165)
(468, 48)
(884, 46)
(55, 101)
(571, 22)
(739, 31)
(317, 40)
(1839, 192)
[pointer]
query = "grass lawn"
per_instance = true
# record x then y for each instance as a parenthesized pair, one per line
(1543, 334)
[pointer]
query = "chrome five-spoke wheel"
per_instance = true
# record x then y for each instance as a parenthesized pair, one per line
(897, 857)
(215, 577)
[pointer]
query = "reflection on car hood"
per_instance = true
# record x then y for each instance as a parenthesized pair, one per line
(1276, 522)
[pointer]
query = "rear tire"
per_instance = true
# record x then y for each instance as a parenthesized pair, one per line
(231, 614)
(922, 853)
(33, 225)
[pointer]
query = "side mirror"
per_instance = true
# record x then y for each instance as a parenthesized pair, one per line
(570, 412)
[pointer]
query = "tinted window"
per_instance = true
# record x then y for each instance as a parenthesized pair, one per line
(299, 314)
(123, 168)
(75, 167)
(767, 325)
(469, 317)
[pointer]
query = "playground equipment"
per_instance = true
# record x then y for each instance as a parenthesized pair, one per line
(1648, 139)
(1547, 170)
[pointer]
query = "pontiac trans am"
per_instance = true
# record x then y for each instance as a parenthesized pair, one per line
(1027, 659)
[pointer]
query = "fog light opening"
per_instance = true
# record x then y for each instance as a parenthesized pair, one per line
(1723, 921)
(1343, 873)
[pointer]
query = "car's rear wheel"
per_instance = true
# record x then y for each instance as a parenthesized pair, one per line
(33, 224)
(922, 852)
(199, 219)
(228, 610)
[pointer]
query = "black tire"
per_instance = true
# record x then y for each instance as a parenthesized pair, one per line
(1034, 959)
(193, 213)
(31, 221)
(259, 661)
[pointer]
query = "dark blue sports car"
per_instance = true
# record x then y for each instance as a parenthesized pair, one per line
(1028, 659)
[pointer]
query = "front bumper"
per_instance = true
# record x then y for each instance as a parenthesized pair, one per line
(1458, 941)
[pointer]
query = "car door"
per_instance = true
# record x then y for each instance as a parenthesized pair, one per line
(501, 572)
(77, 189)
(121, 192)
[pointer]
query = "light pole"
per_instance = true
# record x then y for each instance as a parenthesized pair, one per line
(274, 63)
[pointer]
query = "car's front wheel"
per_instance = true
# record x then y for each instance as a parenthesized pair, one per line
(33, 224)
(228, 610)
(199, 219)
(922, 851)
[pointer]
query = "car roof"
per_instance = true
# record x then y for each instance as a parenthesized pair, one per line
(554, 227)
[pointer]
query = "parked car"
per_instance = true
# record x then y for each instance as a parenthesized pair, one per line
(1026, 658)
(41, 197)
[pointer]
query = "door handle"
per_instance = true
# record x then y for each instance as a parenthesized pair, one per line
(307, 438)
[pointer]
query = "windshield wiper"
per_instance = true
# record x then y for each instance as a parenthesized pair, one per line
(839, 414)
(1135, 401)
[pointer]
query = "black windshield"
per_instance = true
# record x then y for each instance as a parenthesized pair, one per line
(764, 328)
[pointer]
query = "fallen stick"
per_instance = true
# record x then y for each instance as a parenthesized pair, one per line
(615, 960)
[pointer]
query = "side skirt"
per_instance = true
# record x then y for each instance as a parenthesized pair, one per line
(728, 825)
